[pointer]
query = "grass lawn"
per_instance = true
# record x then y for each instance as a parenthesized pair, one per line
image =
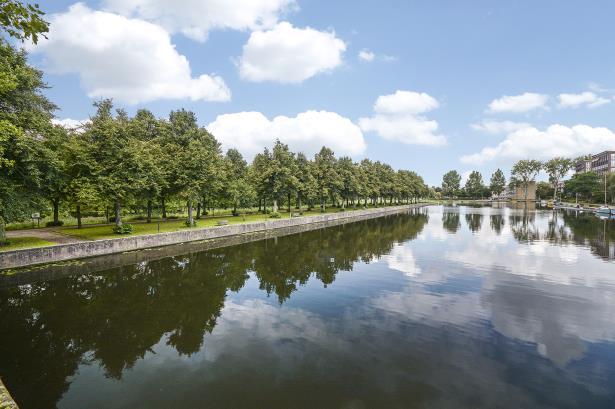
(16, 243)
(104, 232)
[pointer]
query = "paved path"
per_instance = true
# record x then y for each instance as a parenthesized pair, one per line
(44, 234)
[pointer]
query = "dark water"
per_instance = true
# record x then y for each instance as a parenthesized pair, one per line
(444, 308)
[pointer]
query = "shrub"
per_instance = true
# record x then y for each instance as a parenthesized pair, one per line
(52, 223)
(123, 229)
(187, 223)
(235, 213)
(112, 219)
(275, 215)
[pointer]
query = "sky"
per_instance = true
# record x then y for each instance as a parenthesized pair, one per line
(422, 85)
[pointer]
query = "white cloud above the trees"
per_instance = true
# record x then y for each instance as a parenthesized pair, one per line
(130, 60)
(288, 54)
(250, 132)
(398, 118)
(556, 140)
(196, 18)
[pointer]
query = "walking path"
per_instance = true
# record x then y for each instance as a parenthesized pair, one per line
(44, 234)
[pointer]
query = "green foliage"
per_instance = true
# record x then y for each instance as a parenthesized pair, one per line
(474, 185)
(524, 172)
(54, 223)
(557, 168)
(275, 215)
(498, 182)
(22, 21)
(450, 183)
(544, 190)
(123, 229)
(586, 185)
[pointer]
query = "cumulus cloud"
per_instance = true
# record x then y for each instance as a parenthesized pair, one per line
(287, 54)
(498, 127)
(70, 123)
(587, 98)
(556, 140)
(366, 55)
(195, 18)
(518, 103)
(127, 59)
(398, 118)
(250, 132)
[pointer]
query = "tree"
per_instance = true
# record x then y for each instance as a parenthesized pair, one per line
(328, 180)
(474, 185)
(237, 189)
(283, 171)
(306, 188)
(543, 190)
(25, 115)
(22, 21)
(450, 183)
(350, 182)
(557, 168)
(498, 182)
(524, 172)
(113, 150)
(584, 184)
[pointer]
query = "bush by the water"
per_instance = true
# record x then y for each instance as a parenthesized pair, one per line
(123, 229)
(52, 223)
(274, 215)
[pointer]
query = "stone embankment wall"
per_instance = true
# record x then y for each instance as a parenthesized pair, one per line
(27, 257)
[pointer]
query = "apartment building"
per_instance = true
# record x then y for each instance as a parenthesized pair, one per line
(599, 163)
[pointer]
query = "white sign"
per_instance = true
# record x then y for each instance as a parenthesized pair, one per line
(36, 215)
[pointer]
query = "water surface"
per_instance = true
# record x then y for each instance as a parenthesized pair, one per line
(445, 307)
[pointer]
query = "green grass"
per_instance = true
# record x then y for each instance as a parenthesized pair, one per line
(105, 232)
(16, 243)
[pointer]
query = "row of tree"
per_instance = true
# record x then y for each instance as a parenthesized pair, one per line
(144, 162)
(587, 185)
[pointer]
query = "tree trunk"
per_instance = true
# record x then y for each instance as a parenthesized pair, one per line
(260, 207)
(118, 213)
(235, 207)
(78, 213)
(2, 231)
(106, 214)
(190, 218)
(198, 210)
(299, 201)
(275, 206)
(56, 211)
(289, 204)
(164, 209)
(555, 190)
(149, 210)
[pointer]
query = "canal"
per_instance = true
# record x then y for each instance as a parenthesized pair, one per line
(443, 307)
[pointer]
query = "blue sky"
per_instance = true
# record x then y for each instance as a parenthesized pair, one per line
(462, 84)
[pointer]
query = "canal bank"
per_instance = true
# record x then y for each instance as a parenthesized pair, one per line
(72, 251)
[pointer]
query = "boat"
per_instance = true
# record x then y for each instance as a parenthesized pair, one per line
(605, 210)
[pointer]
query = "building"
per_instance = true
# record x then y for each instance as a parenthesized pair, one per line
(603, 162)
(518, 193)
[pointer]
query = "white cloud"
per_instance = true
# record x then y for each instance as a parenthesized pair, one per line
(587, 98)
(69, 123)
(498, 127)
(397, 118)
(556, 140)
(518, 103)
(250, 132)
(195, 18)
(287, 54)
(366, 55)
(127, 59)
